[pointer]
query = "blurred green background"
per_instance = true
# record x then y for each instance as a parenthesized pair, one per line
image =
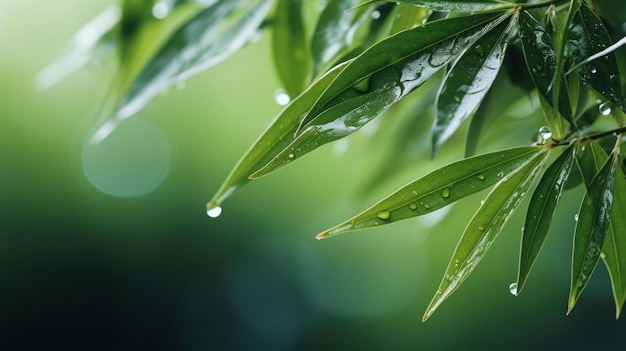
(109, 247)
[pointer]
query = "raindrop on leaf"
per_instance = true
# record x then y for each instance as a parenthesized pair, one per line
(513, 288)
(604, 109)
(383, 215)
(214, 212)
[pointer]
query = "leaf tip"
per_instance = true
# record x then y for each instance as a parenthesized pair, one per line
(321, 236)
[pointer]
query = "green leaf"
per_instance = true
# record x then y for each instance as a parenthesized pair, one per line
(591, 157)
(206, 39)
(469, 80)
(278, 135)
(441, 188)
(456, 6)
(417, 53)
(407, 17)
(541, 62)
(485, 226)
(290, 44)
(589, 36)
(541, 210)
(591, 228)
(334, 32)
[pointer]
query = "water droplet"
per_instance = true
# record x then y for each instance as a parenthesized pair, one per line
(413, 206)
(593, 70)
(457, 98)
(383, 215)
(602, 255)
(481, 177)
(427, 206)
(481, 228)
(160, 10)
(214, 212)
(513, 288)
(604, 108)
(375, 14)
(500, 174)
(281, 97)
(544, 134)
(576, 217)
(181, 85)
(479, 50)
(445, 193)
(291, 156)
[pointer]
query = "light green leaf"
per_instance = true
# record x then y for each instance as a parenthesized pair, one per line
(541, 210)
(290, 45)
(278, 135)
(441, 188)
(456, 6)
(407, 17)
(587, 37)
(591, 228)
(469, 80)
(206, 39)
(417, 53)
(485, 226)
(541, 61)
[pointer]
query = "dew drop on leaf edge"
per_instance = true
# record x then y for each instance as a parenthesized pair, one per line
(214, 212)
(513, 289)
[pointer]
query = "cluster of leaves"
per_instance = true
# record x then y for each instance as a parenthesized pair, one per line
(345, 62)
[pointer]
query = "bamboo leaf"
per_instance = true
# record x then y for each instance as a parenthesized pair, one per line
(469, 80)
(591, 229)
(589, 36)
(206, 39)
(456, 6)
(290, 45)
(541, 210)
(441, 188)
(485, 226)
(417, 53)
(277, 136)
(541, 61)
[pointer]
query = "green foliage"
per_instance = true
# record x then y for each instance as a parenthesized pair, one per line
(345, 62)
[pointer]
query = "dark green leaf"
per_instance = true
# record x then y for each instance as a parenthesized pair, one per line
(591, 228)
(203, 41)
(278, 135)
(541, 211)
(441, 188)
(485, 226)
(541, 60)
(407, 17)
(334, 32)
(588, 36)
(417, 53)
(470, 78)
(291, 55)
(457, 6)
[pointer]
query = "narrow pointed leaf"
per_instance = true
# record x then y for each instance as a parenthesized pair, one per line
(407, 17)
(469, 80)
(591, 157)
(589, 36)
(541, 62)
(457, 6)
(209, 37)
(418, 53)
(591, 229)
(441, 188)
(541, 210)
(290, 45)
(277, 136)
(484, 227)
(333, 33)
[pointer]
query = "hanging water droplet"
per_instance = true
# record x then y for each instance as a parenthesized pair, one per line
(513, 288)
(544, 134)
(383, 215)
(445, 193)
(413, 206)
(281, 97)
(481, 177)
(576, 217)
(160, 10)
(604, 108)
(214, 212)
